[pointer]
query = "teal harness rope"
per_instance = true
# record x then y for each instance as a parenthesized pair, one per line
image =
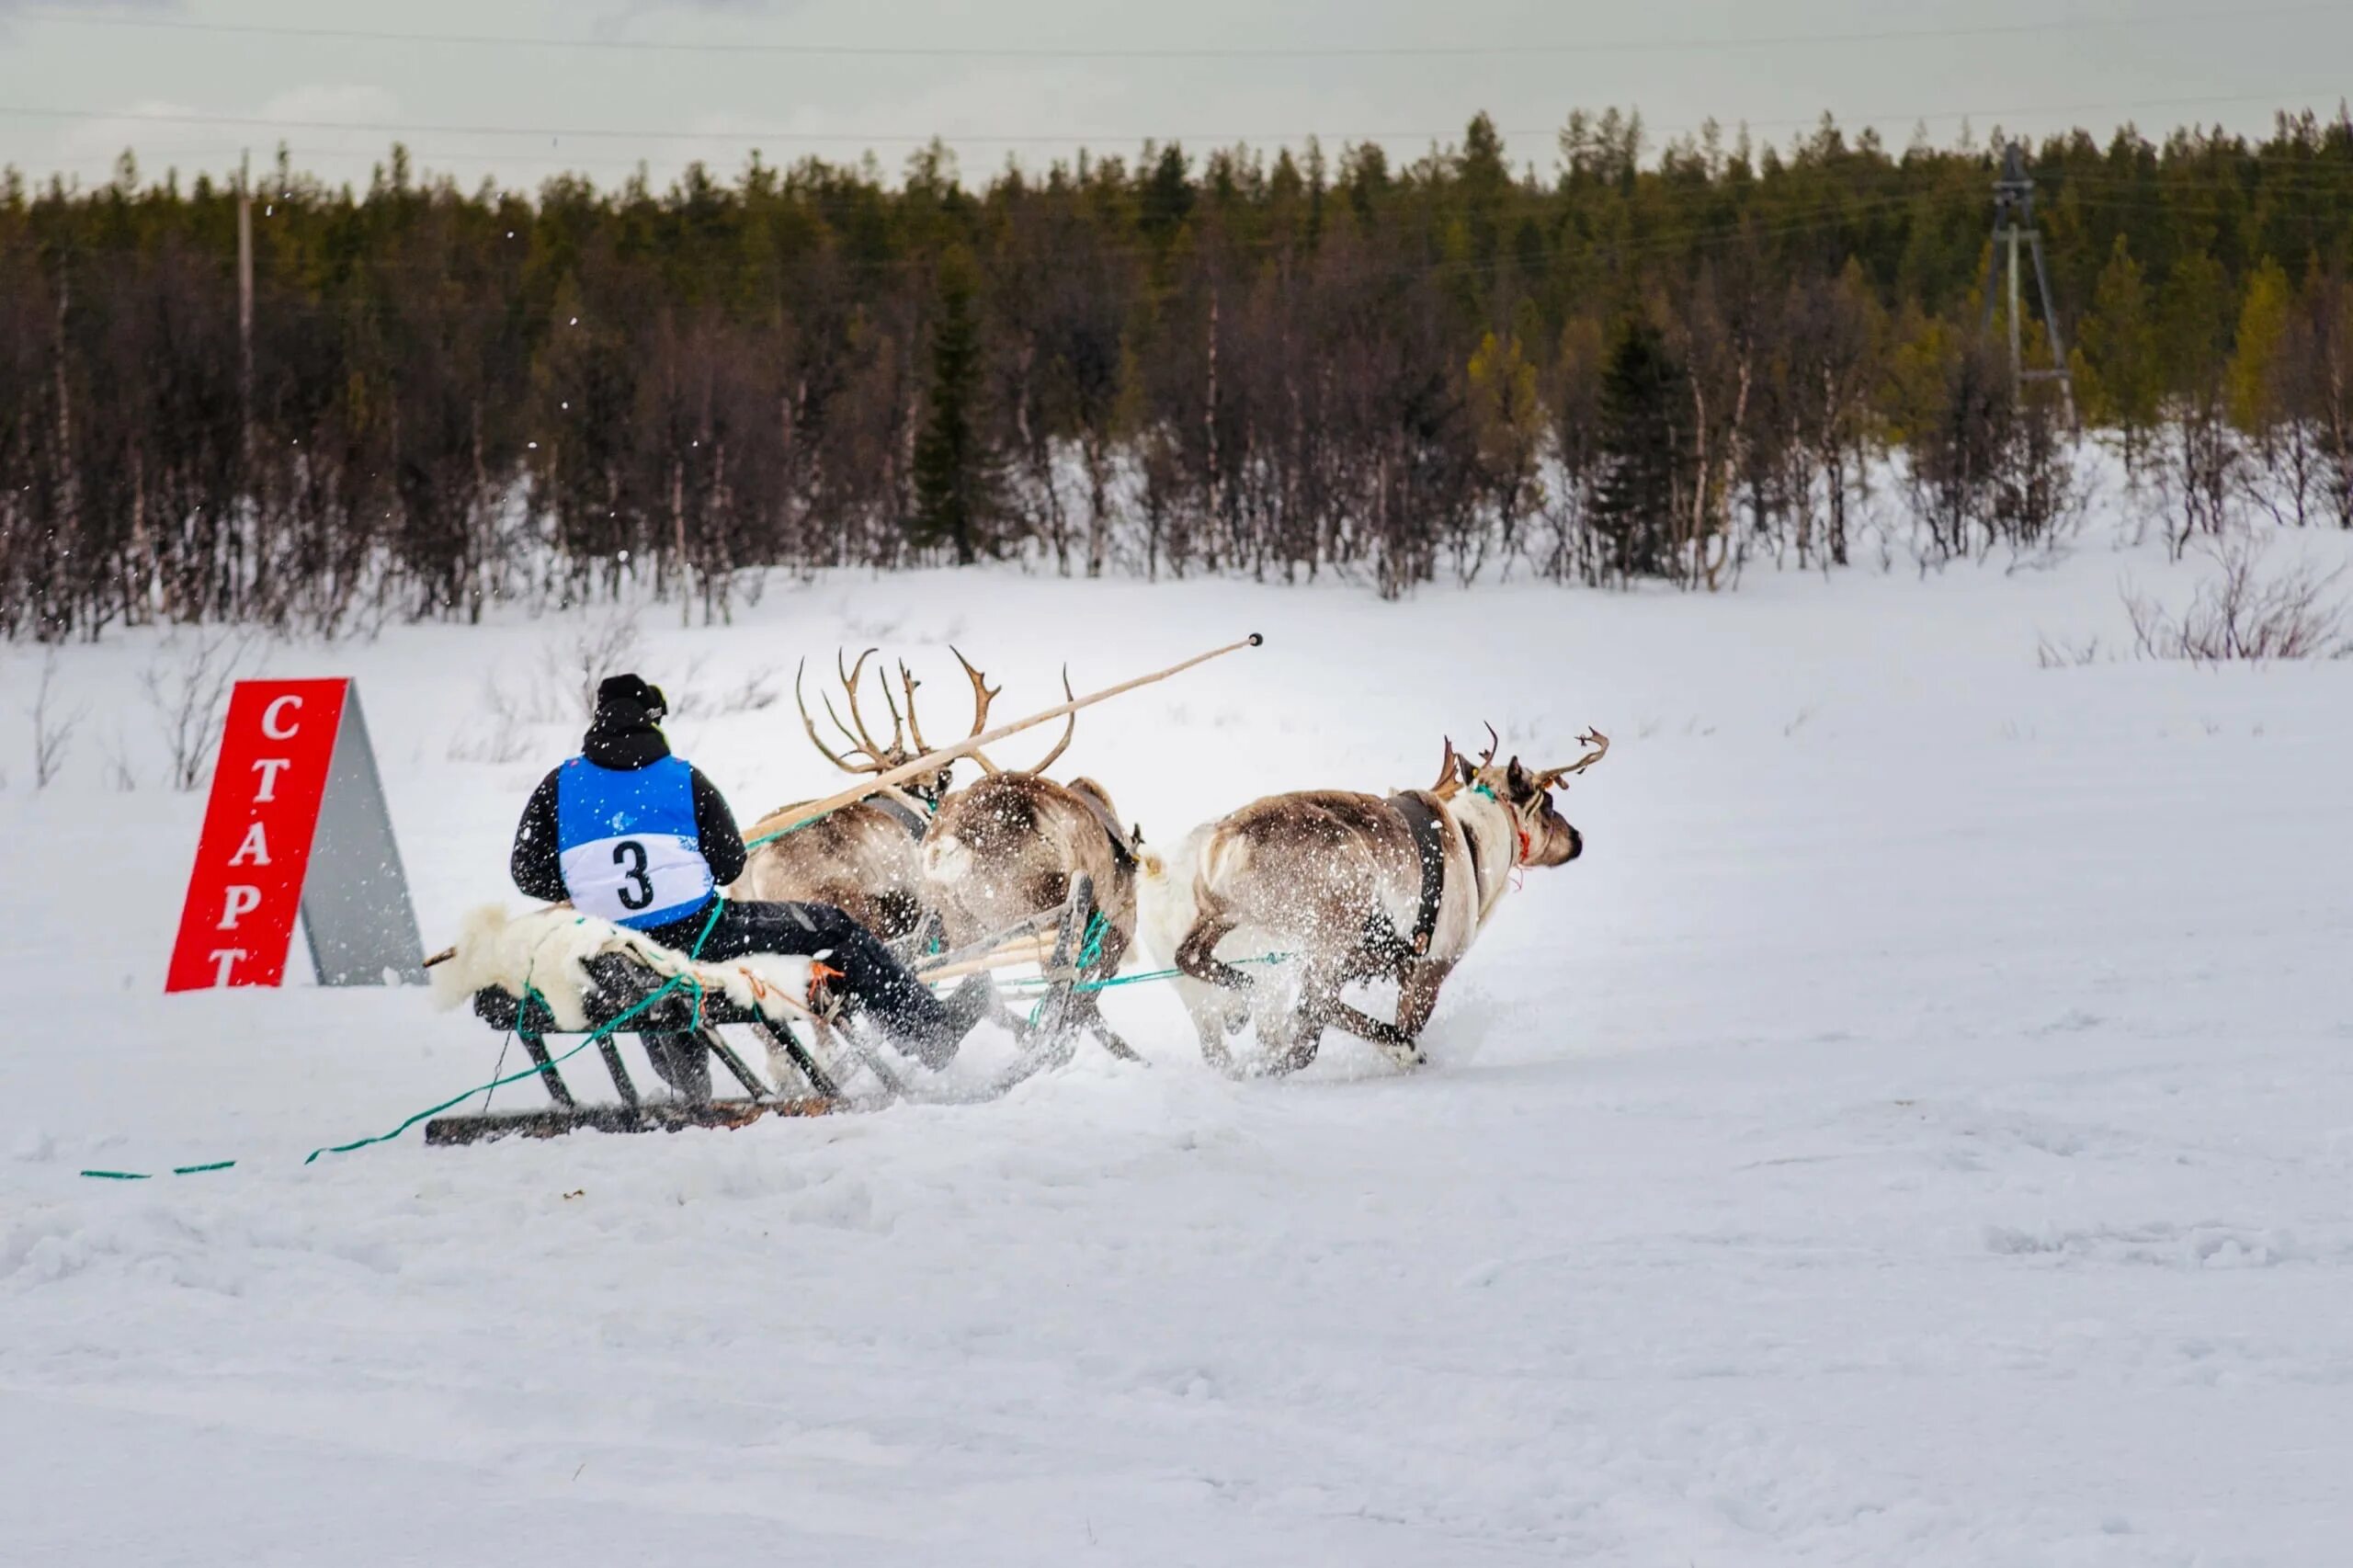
(603, 1031)
(780, 832)
(809, 821)
(1091, 953)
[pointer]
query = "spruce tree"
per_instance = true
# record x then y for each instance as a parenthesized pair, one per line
(1645, 448)
(2255, 353)
(956, 472)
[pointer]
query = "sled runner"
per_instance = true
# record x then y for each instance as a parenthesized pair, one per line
(680, 1032)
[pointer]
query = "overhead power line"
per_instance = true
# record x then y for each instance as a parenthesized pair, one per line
(1183, 51)
(860, 137)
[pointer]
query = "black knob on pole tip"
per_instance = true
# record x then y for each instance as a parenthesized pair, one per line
(1256, 641)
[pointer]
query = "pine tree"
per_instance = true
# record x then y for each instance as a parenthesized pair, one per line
(1645, 449)
(2116, 363)
(956, 474)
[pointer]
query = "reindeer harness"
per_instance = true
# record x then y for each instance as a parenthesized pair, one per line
(1122, 855)
(906, 815)
(1427, 824)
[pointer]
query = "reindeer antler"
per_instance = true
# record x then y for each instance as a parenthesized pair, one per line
(1494, 745)
(1598, 747)
(982, 695)
(1069, 729)
(872, 765)
(915, 725)
(851, 680)
(1449, 779)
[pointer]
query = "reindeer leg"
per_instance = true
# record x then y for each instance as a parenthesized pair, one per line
(1417, 989)
(1208, 1025)
(1319, 996)
(1214, 1016)
(1307, 1039)
(1197, 959)
(1393, 1042)
(1197, 955)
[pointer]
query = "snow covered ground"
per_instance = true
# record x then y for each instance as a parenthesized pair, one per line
(1918, 1131)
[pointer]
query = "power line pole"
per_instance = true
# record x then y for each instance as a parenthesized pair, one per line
(2014, 224)
(246, 304)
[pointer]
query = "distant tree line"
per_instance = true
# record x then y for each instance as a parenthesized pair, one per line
(1639, 367)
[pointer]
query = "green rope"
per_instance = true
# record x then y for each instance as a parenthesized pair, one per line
(1090, 951)
(805, 822)
(1138, 979)
(780, 832)
(603, 1031)
(149, 1176)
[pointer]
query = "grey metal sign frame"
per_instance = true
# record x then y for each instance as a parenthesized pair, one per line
(356, 915)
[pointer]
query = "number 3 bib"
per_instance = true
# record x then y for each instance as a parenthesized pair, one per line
(628, 842)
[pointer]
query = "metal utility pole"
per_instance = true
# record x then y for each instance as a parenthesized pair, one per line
(2013, 224)
(245, 304)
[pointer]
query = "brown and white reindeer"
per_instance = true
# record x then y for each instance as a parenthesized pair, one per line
(1350, 887)
(1009, 847)
(863, 859)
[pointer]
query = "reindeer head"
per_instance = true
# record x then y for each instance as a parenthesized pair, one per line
(864, 753)
(1545, 836)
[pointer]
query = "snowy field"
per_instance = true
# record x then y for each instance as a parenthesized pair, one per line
(1919, 1131)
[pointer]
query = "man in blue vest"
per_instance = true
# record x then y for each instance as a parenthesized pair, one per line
(631, 833)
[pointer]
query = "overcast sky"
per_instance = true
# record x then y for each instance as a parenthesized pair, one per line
(188, 83)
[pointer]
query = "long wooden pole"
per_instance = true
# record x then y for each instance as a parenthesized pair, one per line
(932, 761)
(778, 823)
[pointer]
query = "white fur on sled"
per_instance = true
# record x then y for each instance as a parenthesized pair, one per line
(546, 951)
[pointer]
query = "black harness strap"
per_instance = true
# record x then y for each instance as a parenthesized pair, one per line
(1478, 882)
(908, 817)
(1424, 821)
(1123, 857)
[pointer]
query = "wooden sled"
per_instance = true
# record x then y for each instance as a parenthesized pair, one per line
(681, 1038)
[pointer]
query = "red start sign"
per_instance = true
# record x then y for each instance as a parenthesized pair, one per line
(247, 885)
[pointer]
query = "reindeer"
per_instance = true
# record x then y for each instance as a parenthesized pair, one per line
(863, 858)
(1009, 847)
(1351, 887)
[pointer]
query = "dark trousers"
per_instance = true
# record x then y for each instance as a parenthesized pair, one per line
(873, 983)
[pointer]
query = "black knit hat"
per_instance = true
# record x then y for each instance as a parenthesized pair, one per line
(615, 690)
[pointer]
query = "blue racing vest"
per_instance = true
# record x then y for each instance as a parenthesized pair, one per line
(628, 843)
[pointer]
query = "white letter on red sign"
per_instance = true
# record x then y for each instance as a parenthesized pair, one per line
(255, 844)
(270, 767)
(243, 900)
(269, 719)
(223, 958)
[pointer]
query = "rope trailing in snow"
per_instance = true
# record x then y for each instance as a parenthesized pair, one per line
(1090, 952)
(603, 1031)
